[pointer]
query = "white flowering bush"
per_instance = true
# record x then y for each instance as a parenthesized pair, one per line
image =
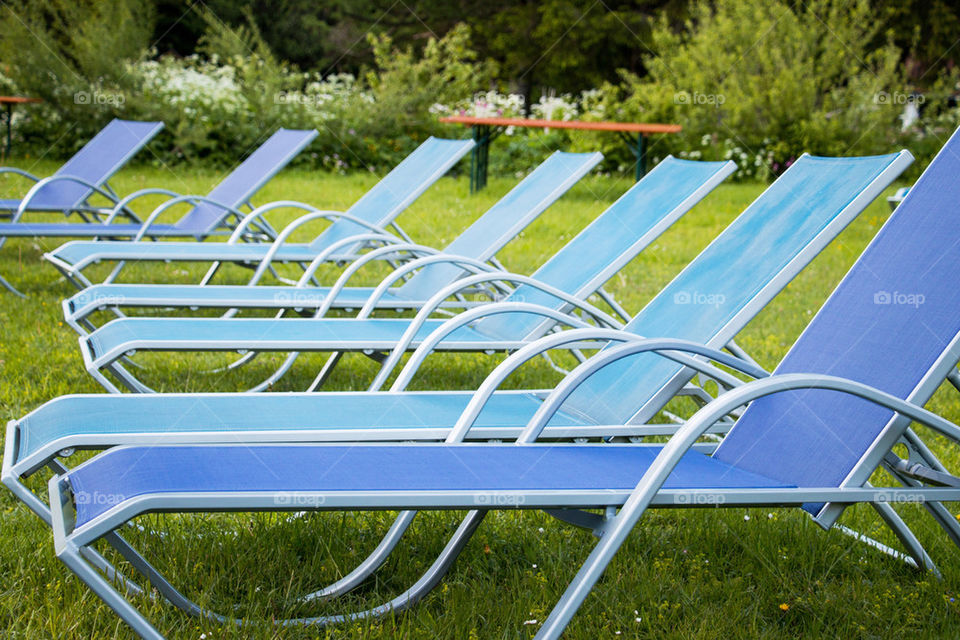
(554, 107)
(201, 89)
(486, 104)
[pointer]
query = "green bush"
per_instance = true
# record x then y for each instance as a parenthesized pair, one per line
(762, 81)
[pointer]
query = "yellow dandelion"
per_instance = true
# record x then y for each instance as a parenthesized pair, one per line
(784, 606)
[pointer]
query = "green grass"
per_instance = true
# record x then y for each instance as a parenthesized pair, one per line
(694, 574)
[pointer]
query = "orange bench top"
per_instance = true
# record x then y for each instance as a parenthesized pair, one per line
(17, 100)
(566, 124)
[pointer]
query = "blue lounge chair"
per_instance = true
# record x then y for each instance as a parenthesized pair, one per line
(635, 220)
(837, 189)
(85, 174)
(812, 436)
(207, 214)
(362, 225)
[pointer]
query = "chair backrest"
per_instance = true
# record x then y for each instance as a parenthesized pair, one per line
(608, 243)
(247, 178)
(397, 190)
(715, 296)
(504, 220)
(102, 156)
(892, 323)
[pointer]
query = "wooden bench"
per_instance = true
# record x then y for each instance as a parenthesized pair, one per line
(486, 129)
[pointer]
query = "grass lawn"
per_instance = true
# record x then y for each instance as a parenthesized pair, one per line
(695, 574)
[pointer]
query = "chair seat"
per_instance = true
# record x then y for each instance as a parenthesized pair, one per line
(272, 334)
(260, 297)
(128, 472)
(70, 230)
(77, 252)
(99, 416)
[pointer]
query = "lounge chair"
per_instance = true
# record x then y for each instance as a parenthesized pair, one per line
(207, 214)
(635, 220)
(811, 436)
(362, 225)
(87, 173)
(836, 190)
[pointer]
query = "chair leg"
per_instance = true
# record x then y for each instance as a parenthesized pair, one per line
(70, 556)
(370, 565)
(9, 287)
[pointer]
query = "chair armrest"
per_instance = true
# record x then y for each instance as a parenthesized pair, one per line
(633, 344)
(454, 323)
(468, 264)
(380, 253)
(19, 172)
(31, 194)
(122, 203)
(156, 213)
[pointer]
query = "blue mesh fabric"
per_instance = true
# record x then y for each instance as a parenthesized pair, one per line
(251, 174)
(504, 220)
(397, 189)
(611, 239)
(885, 325)
(96, 162)
(124, 473)
(728, 275)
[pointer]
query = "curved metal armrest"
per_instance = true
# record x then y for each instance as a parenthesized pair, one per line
(451, 325)
(380, 253)
(122, 203)
(634, 344)
(468, 264)
(25, 203)
(284, 235)
(688, 434)
(152, 218)
(19, 172)
(670, 348)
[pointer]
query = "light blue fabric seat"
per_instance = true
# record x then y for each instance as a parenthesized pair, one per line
(376, 209)
(708, 302)
(206, 215)
(812, 435)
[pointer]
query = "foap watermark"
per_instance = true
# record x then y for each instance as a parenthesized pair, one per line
(292, 500)
(900, 497)
(98, 498)
(699, 298)
(898, 98)
(498, 499)
(99, 98)
(686, 97)
(899, 298)
(99, 299)
(295, 298)
(699, 499)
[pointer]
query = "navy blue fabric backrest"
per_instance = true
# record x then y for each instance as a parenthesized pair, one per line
(247, 178)
(397, 190)
(738, 273)
(504, 220)
(612, 240)
(99, 159)
(885, 325)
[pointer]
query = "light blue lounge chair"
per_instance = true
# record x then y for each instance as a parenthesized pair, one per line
(629, 225)
(812, 436)
(835, 189)
(220, 209)
(87, 173)
(362, 225)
